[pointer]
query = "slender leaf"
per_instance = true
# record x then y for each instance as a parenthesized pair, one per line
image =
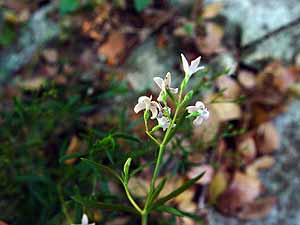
(71, 156)
(127, 137)
(158, 189)
(102, 168)
(178, 191)
(177, 212)
(104, 206)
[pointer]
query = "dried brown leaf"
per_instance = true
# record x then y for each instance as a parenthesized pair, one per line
(195, 171)
(113, 49)
(73, 147)
(231, 89)
(257, 209)
(217, 186)
(264, 162)
(267, 138)
(212, 10)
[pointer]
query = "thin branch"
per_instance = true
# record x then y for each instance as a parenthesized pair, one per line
(275, 32)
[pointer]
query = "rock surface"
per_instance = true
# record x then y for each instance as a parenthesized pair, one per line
(37, 32)
(260, 17)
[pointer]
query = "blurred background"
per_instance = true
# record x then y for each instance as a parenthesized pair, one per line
(71, 72)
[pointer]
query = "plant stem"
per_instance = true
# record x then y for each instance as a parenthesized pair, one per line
(130, 198)
(144, 218)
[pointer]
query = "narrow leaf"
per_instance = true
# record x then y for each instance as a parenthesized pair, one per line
(180, 213)
(126, 169)
(104, 206)
(178, 191)
(102, 168)
(158, 189)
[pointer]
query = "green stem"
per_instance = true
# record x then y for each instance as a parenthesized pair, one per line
(130, 198)
(64, 208)
(162, 148)
(144, 219)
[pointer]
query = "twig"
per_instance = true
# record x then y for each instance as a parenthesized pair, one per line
(275, 32)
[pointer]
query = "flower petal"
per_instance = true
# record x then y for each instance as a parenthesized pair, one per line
(195, 63)
(168, 80)
(200, 105)
(143, 99)
(185, 64)
(140, 106)
(192, 109)
(84, 220)
(159, 81)
(160, 99)
(154, 111)
(198, 121)
(173, 90)
(197, 69)
(205, 114)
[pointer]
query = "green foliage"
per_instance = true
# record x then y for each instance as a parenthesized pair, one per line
(140, 5)
(7, 35)
(67, 6)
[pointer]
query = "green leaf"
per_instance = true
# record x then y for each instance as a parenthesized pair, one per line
(177, 212)
(178, 191)
(105, 206)
(126, 170)
(140, 5)
(7, 35)
(102, 168)
(71, 156)
(127, 137)
(158, 189)
(169, 209)
(188, 96)
(67, 6)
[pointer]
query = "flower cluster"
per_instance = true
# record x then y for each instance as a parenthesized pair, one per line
(163, 114)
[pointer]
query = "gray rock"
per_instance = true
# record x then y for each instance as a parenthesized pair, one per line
(147, 62)
(37, 32)
(259, 17)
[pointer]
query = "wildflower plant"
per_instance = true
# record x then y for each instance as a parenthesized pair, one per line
(168, 120)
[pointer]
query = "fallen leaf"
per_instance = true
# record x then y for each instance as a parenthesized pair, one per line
(206, 178)
(212, 10)
(275, 75)
(247, 79)
(257, 209)
(246, 148)
(209, 129)
(227, 111)
(73, 147)
(217, 186)
(264, 162)
(210, 43)
(243, 189)
(267, 138)
(231, 89)
(113, 49)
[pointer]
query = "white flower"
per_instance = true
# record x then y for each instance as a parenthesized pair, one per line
(202, 111)
(162, 120)
(146, 103)
(85, 221)
(193, 68)
(163, 85)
